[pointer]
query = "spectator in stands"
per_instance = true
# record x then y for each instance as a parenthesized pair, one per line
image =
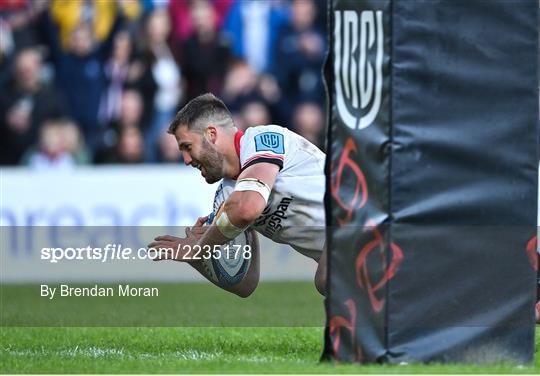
(24, 105)
(79, 73)
(130, 147)
(18, 19)
(240, 83)
(207, 55)
(242, 86)
(94, 65)
(149, 5)
(59, 146)
(182, 23)
(67, 15)
(131, 110)
(131, 114)
(168, 149)
(308, 120)
(159, 73)
(254, 113)
(300, 50)
(50, 153)
(116, 71)
(73, 142)
(252, 26)
(6, 54)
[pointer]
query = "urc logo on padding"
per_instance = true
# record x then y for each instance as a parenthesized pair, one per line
(358, 60)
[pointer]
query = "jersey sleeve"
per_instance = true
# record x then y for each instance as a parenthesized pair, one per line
(267, 144)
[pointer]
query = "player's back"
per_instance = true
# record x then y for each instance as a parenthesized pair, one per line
(295, 211)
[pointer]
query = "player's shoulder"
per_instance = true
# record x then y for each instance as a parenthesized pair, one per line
(262, 129)
(266, 138)
(252, 131)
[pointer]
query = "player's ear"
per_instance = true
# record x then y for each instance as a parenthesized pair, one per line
(211, 133)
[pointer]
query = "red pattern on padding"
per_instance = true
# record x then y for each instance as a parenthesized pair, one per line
(532, 253)
(338, 323)
(360, 195)
(362, 270)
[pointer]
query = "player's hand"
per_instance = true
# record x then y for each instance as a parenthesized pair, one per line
(169, 248)
(197, 231)
(175, 248)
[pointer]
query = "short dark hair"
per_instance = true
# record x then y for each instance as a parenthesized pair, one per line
(198, 112)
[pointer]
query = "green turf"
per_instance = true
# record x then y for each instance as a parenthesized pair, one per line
(187, 304)
(191, 349)
(186, 350)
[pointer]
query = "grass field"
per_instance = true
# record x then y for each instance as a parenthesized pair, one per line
(259, 349)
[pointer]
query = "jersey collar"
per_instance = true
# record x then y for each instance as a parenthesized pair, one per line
(238, 135)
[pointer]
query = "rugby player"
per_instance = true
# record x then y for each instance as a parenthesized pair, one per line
(272, 182)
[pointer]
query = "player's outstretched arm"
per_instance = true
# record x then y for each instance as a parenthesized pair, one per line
(241, 208)
(180, 249)
(245, 205)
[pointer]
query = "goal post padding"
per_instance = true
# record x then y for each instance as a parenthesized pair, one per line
(432, 178)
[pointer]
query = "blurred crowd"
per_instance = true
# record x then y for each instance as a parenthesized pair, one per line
(98, 81)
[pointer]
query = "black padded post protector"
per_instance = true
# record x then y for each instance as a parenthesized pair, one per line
(432, 178)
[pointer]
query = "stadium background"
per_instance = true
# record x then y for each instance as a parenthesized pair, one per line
(87, 89)
(97, 82)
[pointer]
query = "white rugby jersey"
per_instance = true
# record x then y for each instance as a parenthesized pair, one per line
(295, 211)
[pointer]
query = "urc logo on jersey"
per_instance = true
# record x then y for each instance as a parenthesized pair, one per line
(270, 141)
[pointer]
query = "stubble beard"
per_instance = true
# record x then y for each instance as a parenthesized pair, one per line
(212, 161)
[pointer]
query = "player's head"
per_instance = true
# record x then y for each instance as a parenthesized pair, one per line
(200, 128)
